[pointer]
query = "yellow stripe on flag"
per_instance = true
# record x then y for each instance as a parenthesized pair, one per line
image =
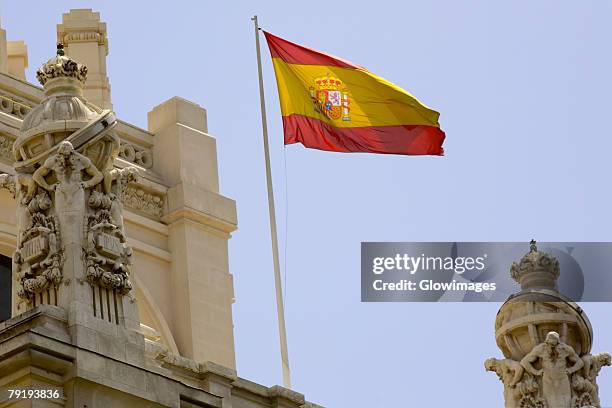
(374, 101)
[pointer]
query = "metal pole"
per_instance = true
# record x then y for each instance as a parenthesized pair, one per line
(277, 275)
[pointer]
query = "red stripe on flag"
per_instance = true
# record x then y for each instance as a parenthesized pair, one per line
(400, 139)
(293, 53)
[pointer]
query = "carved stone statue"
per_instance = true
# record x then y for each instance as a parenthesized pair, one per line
(7, 182)
(587, 384)
(554, 357)
(115, 183)
(510, 372)
(68, 167)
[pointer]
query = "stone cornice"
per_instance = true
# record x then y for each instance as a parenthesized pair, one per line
(192, 371)
(21, 89)
(199, 217)
(278, 392)
(14, 106)
(150, 250)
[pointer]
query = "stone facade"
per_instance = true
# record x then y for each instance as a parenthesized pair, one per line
(118, 236)
(546, 341)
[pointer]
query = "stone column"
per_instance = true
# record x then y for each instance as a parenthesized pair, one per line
(546, 341)
(200, 221)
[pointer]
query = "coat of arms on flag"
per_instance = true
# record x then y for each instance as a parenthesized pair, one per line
(330, 99)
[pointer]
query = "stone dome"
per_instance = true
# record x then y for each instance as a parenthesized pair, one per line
(59, 112)
(63, 114)
(525, 319)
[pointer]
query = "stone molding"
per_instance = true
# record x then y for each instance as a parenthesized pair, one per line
(84, 36)
(186, 214)
(193, 372)
(136, 154)
(14, 106)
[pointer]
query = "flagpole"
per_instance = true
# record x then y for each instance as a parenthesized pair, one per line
(280, 309)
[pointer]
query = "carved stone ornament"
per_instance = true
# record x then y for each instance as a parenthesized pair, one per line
(61, 66)
(536, 269)
(38, 260)
(551, 375)
(137, 155)
(7, 182)
(141, 200)
(108, 258)
(6, 148)
(13, 106)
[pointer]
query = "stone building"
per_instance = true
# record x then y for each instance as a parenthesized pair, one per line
(546, 341)
(116, 290)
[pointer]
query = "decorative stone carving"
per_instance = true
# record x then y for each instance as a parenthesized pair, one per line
(68, 167)
(136, 154)
(6, 148)
(553, 356)
(14, 107)
(65, 115)
(84, 36)
(115, 185)
(38, 262)
(585, 383)
(536, 269)
(558, 372)
(7, 182)
(61, 67)
(108, 258)
(520, 388)
(141, 200)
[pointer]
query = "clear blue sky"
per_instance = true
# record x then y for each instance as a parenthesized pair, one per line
(523, 88)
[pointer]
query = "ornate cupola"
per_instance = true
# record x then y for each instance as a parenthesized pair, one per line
(64, 114)
(535, 325)
(536, 270)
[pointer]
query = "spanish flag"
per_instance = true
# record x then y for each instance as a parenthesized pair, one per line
(331, 104)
